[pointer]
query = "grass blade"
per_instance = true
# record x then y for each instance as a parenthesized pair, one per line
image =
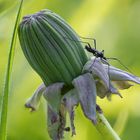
(4, 108)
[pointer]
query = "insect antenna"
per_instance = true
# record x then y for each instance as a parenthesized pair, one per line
(116, 59)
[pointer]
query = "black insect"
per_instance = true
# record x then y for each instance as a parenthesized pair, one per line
(100, 54)
(96, 53)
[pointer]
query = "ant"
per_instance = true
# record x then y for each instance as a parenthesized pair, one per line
(94, 51)
(98, 54)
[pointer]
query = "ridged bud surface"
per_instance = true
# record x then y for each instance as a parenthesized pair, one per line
(51, 47)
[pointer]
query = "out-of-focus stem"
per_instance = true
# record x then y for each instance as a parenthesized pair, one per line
(4, 105)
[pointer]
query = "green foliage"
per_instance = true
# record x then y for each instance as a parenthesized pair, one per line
(114, 24)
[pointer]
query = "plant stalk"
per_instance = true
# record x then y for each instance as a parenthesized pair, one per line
(4, 107)
(105, 128)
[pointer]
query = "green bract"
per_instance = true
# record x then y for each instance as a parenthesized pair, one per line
(54, 51)
(48, 44)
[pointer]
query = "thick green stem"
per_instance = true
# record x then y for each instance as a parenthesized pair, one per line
(105, 128)
(4, 107)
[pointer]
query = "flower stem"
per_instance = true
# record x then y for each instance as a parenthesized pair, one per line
(105, 128)
(4, 106)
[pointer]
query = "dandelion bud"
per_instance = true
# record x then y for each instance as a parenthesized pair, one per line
(55, 52)
(51, 47)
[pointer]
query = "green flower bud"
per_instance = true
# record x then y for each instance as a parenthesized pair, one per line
(55, 52)
(51, 47)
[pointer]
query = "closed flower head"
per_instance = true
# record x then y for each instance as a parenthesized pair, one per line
(55, 52)
(46, 42)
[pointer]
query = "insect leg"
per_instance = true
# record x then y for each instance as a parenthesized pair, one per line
(92, 64)
(77, 41)
(105, 62)
(102, 51)
(94, 40)
(116, 59)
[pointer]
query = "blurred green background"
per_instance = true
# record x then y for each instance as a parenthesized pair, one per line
(115, 25)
